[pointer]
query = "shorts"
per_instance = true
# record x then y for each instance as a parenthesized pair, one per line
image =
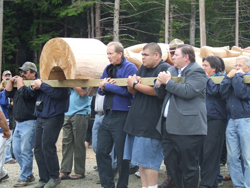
(143, 152)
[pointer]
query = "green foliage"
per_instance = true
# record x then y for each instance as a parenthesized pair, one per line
(76, 8)
(29, 24)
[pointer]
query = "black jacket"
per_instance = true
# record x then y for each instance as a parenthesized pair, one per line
(238, 94)
(24, 104)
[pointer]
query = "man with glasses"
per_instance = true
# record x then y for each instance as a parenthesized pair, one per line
(23, 111)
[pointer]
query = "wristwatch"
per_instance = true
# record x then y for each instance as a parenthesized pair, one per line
(135, 82)
(104, 85)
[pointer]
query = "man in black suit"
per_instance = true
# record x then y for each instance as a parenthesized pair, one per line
(183, 118)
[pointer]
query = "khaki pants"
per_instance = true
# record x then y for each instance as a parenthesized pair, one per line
(74, 135)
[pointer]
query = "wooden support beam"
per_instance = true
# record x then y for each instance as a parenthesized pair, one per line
(119, 81)
(93, 82)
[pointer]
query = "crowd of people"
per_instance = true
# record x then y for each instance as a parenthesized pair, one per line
(182, 123)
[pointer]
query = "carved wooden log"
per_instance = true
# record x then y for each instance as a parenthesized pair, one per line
(133, 53)
(73, 58)
(222, 52)
(133, 57)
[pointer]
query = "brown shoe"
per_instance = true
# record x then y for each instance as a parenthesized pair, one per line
(168, 183)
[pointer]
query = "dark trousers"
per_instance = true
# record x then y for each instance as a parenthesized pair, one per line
(47, 132)
(111, 132)
(181, 157)
(211, 152)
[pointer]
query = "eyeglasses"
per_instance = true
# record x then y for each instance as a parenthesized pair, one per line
(22, 71)
(239, 65)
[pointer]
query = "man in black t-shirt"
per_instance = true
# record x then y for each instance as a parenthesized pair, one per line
(143, 141)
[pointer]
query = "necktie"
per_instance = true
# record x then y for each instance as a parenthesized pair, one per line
(179, 72)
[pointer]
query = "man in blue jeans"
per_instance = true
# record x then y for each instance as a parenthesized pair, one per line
(5, 103)
(23, 110)
(237, 92)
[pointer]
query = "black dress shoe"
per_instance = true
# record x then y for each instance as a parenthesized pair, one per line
(168, 183)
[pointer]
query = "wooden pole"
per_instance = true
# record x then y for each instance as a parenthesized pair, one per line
(166, 21)
(1, 35)
(95, 82)
(202, 23)
(192, 23)
(237, 24)
(97, 20)
(119, 81)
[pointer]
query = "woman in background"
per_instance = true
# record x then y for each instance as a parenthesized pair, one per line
(216, 122)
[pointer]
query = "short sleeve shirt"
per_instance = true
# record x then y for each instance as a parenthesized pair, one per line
(145, 110)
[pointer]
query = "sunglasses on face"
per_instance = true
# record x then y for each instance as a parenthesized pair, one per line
(21, 71)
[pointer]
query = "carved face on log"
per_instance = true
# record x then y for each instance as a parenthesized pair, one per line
(113, 57)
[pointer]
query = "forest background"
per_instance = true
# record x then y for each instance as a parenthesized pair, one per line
(29, 24)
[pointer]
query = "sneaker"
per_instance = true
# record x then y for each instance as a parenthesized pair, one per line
(96, 168)
(220, 183)
(21, 183)
(52, 183)
(31, 178)
(137, 174)
(40, 185)
(98, 181)
(4, 178)
(11, 161)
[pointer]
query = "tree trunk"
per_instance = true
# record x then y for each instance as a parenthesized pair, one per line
(166, 21)
(40, 33)
(97, 20)
(88, 21)
(192, 23)
(171, 20)
(92, 22)
(202, 23)
(116, 20)
(1, 34)
(66, 27)
(237, 24)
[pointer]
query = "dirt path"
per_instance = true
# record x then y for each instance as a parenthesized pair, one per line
(91, 174)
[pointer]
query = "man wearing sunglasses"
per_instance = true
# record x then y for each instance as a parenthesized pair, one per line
(23, 110)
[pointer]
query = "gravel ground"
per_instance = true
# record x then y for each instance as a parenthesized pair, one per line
(91, 175)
